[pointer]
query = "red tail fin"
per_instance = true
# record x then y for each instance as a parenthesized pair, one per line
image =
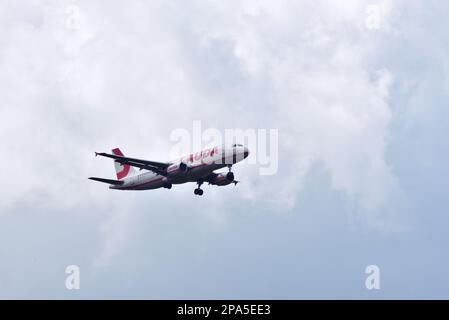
(122, 170)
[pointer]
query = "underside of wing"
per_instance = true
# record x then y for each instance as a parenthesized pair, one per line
(221, 178)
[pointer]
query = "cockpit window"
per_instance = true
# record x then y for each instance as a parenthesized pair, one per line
(237, 145)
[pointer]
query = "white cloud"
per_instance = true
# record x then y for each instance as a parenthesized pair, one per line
(128, 75)
(315, 62)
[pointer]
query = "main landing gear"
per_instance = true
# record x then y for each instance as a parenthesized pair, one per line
(198, 191)
(167, 185)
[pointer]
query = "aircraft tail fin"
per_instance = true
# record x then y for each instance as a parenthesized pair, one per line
(122, 170)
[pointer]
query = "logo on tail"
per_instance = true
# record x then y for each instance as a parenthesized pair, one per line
(122, 170)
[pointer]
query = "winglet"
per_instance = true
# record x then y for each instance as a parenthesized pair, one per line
(96, 154)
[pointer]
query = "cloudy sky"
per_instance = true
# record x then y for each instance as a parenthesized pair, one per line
(359, 94)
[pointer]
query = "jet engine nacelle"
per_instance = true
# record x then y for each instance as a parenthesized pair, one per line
(178, 169)
(223, 179)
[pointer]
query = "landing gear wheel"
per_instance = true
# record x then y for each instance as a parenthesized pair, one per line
(168, 186)
(198, 192)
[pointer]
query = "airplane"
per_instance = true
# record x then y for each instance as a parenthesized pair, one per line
(197, 167)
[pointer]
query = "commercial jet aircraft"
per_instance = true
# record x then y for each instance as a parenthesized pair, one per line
(197, 167)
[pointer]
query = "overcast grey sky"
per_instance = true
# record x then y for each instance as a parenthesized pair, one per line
(358, 90)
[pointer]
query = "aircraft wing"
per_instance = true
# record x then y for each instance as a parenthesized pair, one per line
(157, 167)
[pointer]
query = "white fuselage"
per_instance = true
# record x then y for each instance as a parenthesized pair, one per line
(200, 165)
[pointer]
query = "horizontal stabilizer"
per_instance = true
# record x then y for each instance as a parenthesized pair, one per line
(110, 181)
